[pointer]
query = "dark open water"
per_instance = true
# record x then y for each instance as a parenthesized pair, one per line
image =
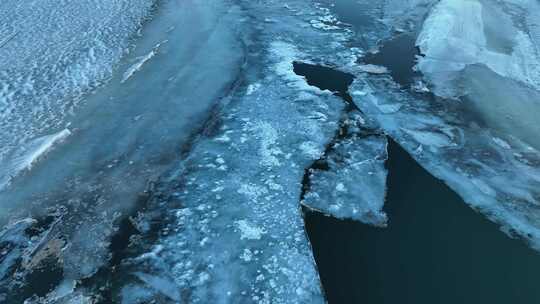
(435, 250)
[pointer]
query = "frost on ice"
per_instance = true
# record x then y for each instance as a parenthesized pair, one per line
(85, 190)
(24, 157)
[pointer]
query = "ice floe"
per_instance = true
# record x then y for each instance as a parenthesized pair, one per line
(349, 182)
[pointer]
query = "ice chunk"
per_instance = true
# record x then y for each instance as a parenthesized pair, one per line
(373, 69)
(483, 54)
(350, 180)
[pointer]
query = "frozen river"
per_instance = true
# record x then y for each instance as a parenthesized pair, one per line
(160, 151)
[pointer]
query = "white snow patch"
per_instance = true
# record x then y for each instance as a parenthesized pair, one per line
(286, 54)
(252, 88)
(253, 192)
(246, 255)
(249, 231)
(311, 149)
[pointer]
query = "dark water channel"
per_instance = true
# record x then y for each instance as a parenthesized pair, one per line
(435, 249)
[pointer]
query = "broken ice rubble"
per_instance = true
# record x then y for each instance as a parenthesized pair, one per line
(231, 229)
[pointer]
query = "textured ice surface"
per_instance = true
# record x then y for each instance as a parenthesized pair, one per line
(375, 21)
(52, 52)
(350, 180)
(30, 250)
(487, 52)
(226, 225)
(489, 55)
(13, 240)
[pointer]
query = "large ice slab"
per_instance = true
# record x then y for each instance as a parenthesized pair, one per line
(233, 230)
(489, 56)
